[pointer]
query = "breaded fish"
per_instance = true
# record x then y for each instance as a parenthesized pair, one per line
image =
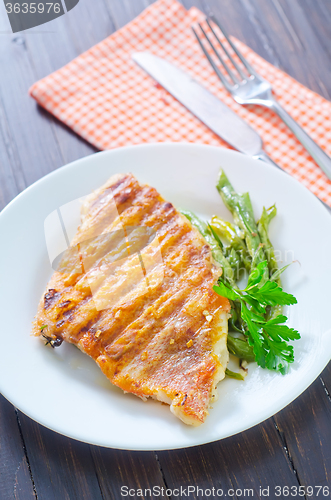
(135, 292)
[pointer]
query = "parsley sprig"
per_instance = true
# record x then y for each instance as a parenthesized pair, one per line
(268, 338)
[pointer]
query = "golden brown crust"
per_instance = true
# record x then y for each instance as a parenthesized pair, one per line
(146, 327)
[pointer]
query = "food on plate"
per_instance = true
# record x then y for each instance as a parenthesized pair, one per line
(135, 292)
(148, 292)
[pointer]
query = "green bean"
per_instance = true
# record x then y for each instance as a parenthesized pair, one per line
(253, 241)
(240, 348)
(242, 211)
(227, 230)
(229, 234)
(235, 320)
(217, 252)
(232, 258)
(235, 375)
(263, 229)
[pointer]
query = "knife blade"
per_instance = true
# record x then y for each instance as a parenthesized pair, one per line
(204, 105)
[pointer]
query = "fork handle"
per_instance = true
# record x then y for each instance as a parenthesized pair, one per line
(320, 157)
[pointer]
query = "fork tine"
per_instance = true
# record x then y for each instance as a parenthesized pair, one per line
(249, 68)
(213, 65)
(238, 68)
(220, 58)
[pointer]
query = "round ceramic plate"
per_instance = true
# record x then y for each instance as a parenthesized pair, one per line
(64, 390)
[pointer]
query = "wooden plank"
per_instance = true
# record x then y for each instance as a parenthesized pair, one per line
(241, 19)
(246, 461)
(133, 470)
(306, 431)
(11, 173)
(58, 51)
(124, 11)
(193, 3)
(284, 33)
(135, 7)
(313, 56)
(319, 14)
(15, 479)
(32, 141)
(61, 467)
(294, 38)
(96, 21)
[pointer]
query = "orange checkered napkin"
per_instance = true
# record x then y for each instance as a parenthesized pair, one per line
(108, 100)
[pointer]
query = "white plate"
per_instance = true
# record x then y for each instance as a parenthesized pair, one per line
(64, 390)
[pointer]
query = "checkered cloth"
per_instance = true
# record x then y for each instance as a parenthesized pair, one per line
(108, 100)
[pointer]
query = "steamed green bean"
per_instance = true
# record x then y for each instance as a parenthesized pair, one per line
(217, 252)
(241, 208)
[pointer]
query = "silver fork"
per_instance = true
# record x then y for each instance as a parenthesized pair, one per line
(248, 87)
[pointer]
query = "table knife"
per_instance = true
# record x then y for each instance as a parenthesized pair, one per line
(204, 105)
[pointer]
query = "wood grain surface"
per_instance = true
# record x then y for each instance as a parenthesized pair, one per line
(291, 449)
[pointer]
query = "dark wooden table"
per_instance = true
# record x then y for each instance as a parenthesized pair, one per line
(293, 448)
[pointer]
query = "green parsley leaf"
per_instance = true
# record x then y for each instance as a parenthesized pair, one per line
(256, 275)
(278, 319)
(272, 294)
(268, 339)
(225, 291)
(278, 332)
(259, 308)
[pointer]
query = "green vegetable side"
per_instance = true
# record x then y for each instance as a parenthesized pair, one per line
(261, 334)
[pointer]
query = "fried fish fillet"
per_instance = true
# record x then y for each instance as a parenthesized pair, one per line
(135, 292)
